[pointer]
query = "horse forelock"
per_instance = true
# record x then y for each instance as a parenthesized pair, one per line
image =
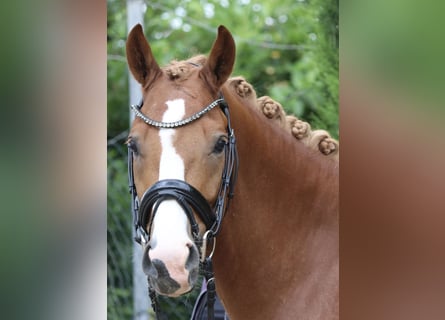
(181, 70)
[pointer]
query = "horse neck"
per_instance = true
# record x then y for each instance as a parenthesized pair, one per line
(279, 239)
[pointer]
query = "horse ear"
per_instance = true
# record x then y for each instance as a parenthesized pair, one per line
(219, 65)
(140, 59)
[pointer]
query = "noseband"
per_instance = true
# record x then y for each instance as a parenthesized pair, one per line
(189, 198)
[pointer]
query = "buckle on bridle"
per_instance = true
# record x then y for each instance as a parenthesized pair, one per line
(141, 237)
(206, 238)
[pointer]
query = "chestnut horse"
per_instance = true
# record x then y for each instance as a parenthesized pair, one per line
(276, 251)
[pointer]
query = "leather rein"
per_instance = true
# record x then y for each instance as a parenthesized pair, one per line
(190, 199)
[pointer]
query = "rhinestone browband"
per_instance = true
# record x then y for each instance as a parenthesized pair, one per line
(175, 124)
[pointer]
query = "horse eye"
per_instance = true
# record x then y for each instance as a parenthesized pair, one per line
(220, 144)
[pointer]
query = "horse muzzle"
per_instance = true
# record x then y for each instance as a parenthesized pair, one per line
(171, 272)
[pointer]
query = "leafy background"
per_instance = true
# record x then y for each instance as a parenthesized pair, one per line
(287, 50)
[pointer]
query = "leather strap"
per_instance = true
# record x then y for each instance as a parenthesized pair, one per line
(185, 194)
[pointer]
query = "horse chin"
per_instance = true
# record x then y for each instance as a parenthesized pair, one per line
(169, 279)
(171, 287)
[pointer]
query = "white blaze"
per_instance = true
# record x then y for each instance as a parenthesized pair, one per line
(171, 166)
(170, 222)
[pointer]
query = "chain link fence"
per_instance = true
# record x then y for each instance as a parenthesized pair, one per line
(120, 292)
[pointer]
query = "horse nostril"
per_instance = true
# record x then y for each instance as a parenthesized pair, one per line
(147, 265)
(162, 279)
(160, 268)
(193, 257)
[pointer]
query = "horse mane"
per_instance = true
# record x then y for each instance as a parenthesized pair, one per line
(319, 140)
(279, 133)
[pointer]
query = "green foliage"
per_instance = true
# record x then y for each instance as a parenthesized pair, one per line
(122, 311)
(119, 255)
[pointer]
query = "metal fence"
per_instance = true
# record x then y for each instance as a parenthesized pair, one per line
(120, 253)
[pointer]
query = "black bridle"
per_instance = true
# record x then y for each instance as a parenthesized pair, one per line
(189, 198)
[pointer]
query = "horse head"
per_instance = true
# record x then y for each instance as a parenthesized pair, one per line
(176, 158)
